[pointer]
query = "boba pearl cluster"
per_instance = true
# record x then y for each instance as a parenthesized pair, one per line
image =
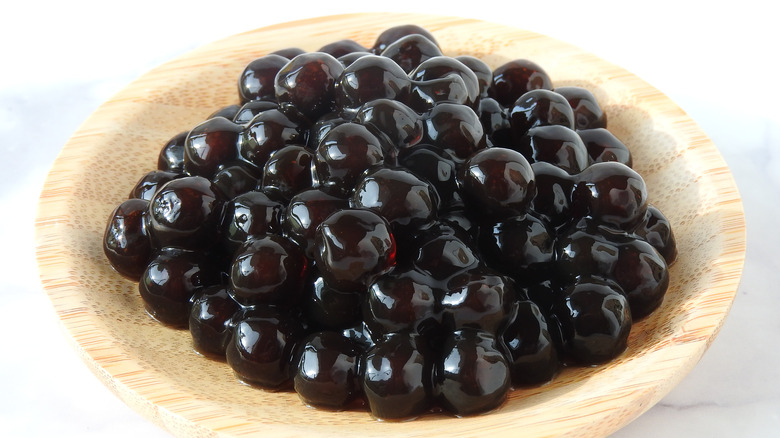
(393, 229)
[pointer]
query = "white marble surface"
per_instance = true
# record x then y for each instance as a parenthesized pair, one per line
(62, 59)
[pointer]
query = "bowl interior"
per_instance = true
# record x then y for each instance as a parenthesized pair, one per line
(154, 368)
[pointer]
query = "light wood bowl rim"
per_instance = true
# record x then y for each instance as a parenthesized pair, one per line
(139, 386)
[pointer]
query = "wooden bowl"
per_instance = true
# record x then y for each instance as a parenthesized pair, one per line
(154, 368)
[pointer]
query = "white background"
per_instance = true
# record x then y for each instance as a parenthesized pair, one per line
(60, 60)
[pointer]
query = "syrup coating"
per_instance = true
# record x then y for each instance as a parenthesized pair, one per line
(389, 225)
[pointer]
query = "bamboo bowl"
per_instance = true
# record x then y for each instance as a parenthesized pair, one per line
(155, 370)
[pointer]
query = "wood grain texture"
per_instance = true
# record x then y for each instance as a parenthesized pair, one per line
(154, 369)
